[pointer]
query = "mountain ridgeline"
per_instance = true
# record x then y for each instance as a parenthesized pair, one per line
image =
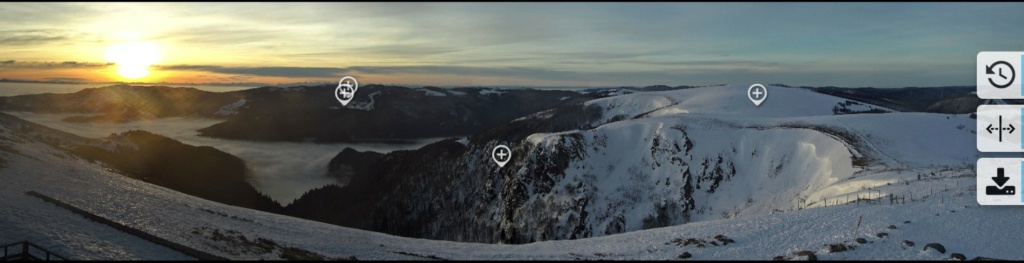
(124, 103)
(950, 100)
(381, 113)
(311, 113)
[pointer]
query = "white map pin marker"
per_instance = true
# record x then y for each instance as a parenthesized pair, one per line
(501, 154)
(346, 90)
(757, 93)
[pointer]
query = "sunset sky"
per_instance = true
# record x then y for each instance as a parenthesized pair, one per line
(529, 44)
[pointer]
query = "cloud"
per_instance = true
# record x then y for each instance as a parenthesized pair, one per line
(219, 35)
(323, 72)
(533, 41)
(388, 50)
(307, 72)
(51, 65)
(67, 79)
(19, 14)
(600, 54)
(35, 36)
(669, 72)
(694, 73)
(710, 63)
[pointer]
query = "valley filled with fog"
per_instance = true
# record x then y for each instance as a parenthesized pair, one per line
(282, 170)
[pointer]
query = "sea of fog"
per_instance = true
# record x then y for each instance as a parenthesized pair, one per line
(282, 170)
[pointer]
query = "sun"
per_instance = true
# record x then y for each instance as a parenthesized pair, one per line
(133, 58)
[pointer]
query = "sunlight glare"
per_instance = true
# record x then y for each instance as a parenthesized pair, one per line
(133, 58)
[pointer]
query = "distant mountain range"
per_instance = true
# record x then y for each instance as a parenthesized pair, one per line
(380, 113)
(39, 81)
(311, 113)
(951, 100)
(124, 103)
(75, 81)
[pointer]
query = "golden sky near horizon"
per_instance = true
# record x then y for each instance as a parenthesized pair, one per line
(529, 44)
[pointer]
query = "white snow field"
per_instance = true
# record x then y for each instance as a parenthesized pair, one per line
(713, 149)
(801, 208)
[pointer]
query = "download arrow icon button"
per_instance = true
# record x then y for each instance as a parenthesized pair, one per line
(1000, 178)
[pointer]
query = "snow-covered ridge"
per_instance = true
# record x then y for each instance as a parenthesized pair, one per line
(674, 157)
(538, 115)
(630, 174)
(230, 109)
(721, 100)
(432, 93)
(489, 91)
(366, 106)
(633, 175)
(114, 144)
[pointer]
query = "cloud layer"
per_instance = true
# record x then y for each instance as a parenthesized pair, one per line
(849, 44)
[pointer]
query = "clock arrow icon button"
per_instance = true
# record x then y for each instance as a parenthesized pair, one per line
(1001, 64)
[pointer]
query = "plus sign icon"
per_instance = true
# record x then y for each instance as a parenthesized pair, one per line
(346, 90)
(501, 154)
(757, 93)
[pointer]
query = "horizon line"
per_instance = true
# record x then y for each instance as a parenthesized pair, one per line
(262, 84)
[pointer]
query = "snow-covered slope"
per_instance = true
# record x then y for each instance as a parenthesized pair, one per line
(692, 166)
(674, 157)
(779, 173)
(642, 173)
(950, 217)
(230, 109)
